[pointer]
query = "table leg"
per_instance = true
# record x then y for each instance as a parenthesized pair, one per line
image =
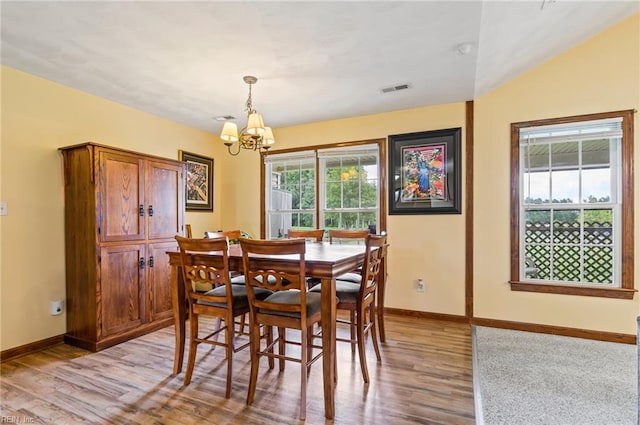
(381, 286)
(329, 344)
(179, 311)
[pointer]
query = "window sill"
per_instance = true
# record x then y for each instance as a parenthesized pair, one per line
(550, 288)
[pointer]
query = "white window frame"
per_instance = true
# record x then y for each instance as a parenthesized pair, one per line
(319, 153)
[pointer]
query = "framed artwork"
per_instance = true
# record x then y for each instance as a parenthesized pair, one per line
(424, 172)
(199, 181)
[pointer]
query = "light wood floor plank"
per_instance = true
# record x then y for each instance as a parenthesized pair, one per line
(424, 377)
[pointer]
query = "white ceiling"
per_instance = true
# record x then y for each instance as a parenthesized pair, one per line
(315, 61)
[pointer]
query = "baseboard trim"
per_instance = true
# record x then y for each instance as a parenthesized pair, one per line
(555, 330)
(519, 326)
(31, 347)
(426, 315)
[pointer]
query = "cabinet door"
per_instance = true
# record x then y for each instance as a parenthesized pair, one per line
(159, 280)
(165, 199)
(121, 214)
(122, 290)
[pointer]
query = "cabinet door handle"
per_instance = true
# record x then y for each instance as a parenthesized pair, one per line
(141, 210)
(150, 210)
(142, 263)
(151, 261)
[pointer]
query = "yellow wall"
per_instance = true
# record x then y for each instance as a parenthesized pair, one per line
(600, 75)
(38, 117)
(422, 246)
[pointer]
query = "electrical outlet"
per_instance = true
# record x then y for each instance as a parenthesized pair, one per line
(420, 285)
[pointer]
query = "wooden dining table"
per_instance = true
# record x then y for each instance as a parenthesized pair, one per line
(322, 260)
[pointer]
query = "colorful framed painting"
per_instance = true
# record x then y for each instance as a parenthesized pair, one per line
(199, 181)
(424, 172)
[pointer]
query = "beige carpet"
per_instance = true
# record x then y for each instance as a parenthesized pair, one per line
(524, 378)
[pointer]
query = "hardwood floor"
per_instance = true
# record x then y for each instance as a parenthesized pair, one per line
(425, 378)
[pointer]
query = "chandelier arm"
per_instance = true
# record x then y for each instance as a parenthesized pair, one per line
(229, 148)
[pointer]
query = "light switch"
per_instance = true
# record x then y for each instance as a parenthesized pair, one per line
(3, 208)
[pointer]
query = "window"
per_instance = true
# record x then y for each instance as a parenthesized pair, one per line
(344, 180)
(572, 195)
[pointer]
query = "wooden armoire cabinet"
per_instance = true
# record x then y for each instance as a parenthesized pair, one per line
(122, 212)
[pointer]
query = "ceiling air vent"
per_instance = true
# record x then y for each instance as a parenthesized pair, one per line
(395, 88)
(224, 118)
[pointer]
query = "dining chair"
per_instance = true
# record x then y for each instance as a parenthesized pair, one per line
(224, 301)
(232, 235)
(237, 278)
(315, 235)
(359, 299)
(289, 307)
(187, 231)
(349, 236)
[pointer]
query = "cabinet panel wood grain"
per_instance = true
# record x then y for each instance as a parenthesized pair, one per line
(121, 197)
(122, 288)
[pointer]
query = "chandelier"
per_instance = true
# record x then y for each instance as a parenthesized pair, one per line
(254, 136)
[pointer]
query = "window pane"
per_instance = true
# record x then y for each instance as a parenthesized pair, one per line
(333, 195)
(308, 196)
(598, 227)
(598, 264)
(331, 220)
(595, 152)
(351, 194)
(280, 200)
(369, 194)
(368, 219)
(565, 186)
(566, 263)
(278, 224)
(596, 185)
(536, 157)
(566, 227)
(537, 227)
(536, 187)
(564, 155)
(537, 261)
(349, 220)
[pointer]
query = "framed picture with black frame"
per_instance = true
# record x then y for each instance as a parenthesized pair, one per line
(199, 181)
(424, 172)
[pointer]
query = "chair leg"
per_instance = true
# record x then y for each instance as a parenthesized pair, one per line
(242, 323)
(193, 347)
(230, 336)
(269, 335)
(303, 374)
(282, 346)
(255, 360)
(352, 330)
(374, 333)
(361, 341)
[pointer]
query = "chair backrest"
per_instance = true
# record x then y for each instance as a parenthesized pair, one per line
(187, 231)
(196, 274)
(274, 275)
(343, 236)
(233, 235)
(373, 264)
(317, 234)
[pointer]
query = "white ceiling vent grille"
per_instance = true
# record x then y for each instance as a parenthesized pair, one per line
(224, 118)
(395, 88)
